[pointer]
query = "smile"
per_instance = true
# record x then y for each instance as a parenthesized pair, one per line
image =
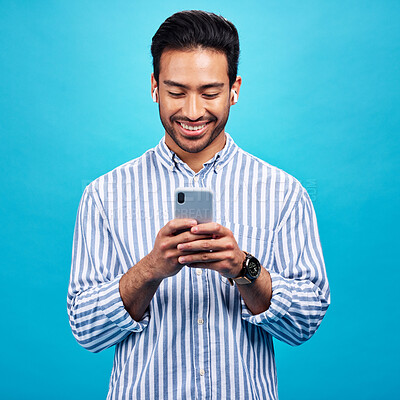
(191, 127)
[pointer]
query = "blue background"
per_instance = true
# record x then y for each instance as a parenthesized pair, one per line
(320, 99)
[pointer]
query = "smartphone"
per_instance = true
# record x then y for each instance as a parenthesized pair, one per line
(195, 203)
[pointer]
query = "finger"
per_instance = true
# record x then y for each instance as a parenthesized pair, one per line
(210, 228)
(209, 265)
(185, 237)
(204, 257)
(172, 242)
(215, 266)
(175, 225)
(210, 245)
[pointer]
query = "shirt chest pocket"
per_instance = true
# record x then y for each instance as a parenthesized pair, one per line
(255, 240)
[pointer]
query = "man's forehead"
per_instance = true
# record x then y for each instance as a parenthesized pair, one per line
(185, 67)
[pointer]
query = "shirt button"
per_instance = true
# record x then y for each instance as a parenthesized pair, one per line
(199, 271)
(202, 372)
(196, 178)
(200, 321)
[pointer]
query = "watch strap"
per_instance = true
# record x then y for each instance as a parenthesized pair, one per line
(241, 279)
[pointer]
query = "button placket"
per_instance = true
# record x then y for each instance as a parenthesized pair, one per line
(201, 332)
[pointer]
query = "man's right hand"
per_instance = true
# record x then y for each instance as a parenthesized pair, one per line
(138, 285)
(162, 261)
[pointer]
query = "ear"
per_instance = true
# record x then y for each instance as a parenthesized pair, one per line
(154, 88)
(235, 88)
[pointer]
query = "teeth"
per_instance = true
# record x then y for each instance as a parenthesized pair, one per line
(192, 128)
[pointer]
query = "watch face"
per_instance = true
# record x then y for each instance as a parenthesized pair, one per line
(253, 268)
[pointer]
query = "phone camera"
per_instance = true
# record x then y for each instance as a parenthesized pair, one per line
(181, 198)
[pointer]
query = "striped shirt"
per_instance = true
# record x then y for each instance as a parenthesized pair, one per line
(197, 339)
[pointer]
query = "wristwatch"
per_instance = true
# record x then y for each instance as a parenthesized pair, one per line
(250, 272)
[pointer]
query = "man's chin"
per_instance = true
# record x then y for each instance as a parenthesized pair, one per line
(194, 144)
(193, 147)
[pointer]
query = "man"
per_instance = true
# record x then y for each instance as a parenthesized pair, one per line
(192, 308)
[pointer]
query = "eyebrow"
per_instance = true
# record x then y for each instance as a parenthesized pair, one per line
(202, 87)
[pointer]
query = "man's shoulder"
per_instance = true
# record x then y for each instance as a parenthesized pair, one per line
(269, 172)
(123, 174)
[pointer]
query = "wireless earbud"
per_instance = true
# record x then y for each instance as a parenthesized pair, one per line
(154, 95)
(235, 96)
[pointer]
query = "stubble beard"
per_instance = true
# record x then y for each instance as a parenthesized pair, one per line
(169, 128)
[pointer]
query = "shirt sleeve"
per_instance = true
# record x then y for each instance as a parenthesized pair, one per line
(96, 312)
(300, 289)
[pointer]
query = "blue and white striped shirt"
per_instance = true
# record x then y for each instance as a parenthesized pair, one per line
(197, 339)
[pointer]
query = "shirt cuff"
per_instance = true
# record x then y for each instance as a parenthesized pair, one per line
(113, 308)
(280, 303)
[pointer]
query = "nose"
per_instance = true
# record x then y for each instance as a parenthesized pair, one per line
(193, 107)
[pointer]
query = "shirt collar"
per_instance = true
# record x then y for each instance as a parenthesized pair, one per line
(170, 159)
(165, 155)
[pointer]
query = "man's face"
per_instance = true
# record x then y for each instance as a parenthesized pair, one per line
(194, 97)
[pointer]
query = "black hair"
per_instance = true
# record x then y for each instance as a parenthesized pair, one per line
(188, 30)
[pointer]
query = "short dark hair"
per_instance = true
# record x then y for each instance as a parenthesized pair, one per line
(188, 30)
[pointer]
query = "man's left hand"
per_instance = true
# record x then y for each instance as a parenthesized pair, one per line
(220, 252)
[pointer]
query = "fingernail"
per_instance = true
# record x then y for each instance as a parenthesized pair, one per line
(181, 246)
(193, 222)
(181, 260)
(195, 229)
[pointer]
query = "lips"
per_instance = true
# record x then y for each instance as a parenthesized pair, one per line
(192, 129)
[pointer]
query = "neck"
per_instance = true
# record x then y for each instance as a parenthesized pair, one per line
(195, 161)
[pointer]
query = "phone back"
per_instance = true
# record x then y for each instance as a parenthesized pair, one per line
(196, 203)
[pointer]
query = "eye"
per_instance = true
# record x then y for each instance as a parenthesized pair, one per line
(175, 94)
(210, 95)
